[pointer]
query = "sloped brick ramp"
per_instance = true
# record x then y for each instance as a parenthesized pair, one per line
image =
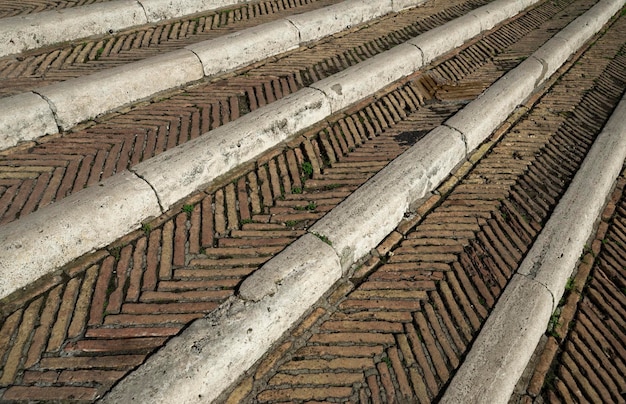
(74, 336)
(398, 330)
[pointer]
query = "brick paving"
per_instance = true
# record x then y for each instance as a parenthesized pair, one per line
(40, 67)
(35, 175)
(583, 357)
(12, 8)
(399, 327)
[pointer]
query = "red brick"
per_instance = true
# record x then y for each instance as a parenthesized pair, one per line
(270, 360)
(86, 376)
(156, 319)
(372, 383)
(321, 364)
(121, 362)
(132, 332)
(353, 338)
(117, 346)
(362, 326)
(31, 377)
(339, 350)
(50, 393)
(385, 379)
(306, 393)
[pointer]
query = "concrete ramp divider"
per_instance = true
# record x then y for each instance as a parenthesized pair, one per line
(205, 359)
(78, 100)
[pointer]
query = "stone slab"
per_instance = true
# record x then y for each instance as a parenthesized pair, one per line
(319, 23)
(244, 47)
(556, 251)
(483, 115)
(45, 240)
(24, 117)
(365, 78)
(211, 353)
(31, 31)
(504, 346)
(399, 5)
(84, 98)
(157, 10)
(443, 39)
(369, 214)
(194, 164)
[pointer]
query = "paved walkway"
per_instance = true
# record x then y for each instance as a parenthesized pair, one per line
(400, 326)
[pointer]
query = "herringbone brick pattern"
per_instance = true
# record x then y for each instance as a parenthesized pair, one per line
(11, 8)
(38, 68)
(592, 366)
(32, 178)
(73, 336)
(583, 359)
(401, 327)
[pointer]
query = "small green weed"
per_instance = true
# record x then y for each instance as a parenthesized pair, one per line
(310, 207)
(247, 221)
(146, 228)
(115, 252)
(188, 209)
(307, 169)
(387, 361)
(296, 190)
(569, 286)
(291, 223)
(323, 238)
(554, 322)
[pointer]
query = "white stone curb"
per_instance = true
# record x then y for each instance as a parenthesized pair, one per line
(353, 228)
(159, 10)
(32, 31)
(312, 26)
(369, 214)
(42, 241)
(174, 174)
(24, 117)
(79, 99)
(248, 46)
(211, 354)
(511, 333)
(196, 163)
(84, 98)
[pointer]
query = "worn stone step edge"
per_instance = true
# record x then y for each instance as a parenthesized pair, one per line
(215, 351)
(31, 31)
(49, 238)
(513, 330)
(60, 106)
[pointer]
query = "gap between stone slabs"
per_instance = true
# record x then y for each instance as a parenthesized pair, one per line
(60, 106)
(53, 236)
(215, 351)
